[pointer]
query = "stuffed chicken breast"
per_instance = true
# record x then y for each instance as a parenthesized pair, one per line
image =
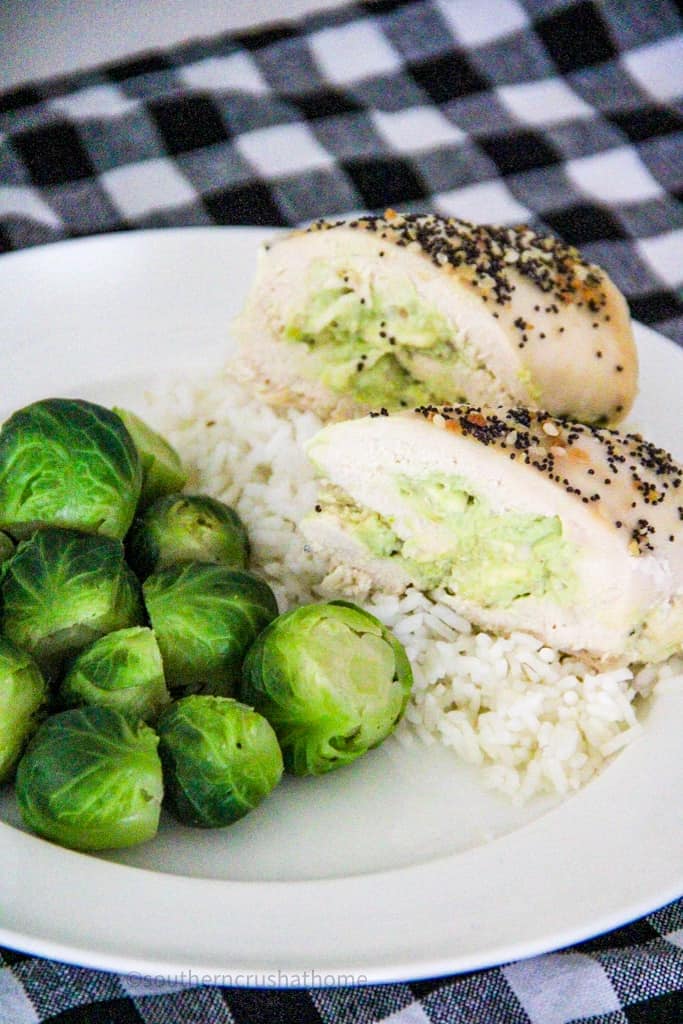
(397, 311)
(533, 523)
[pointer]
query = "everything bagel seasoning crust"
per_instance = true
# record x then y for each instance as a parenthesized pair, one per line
(623, 478)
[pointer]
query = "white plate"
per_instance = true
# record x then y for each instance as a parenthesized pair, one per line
(398, 867)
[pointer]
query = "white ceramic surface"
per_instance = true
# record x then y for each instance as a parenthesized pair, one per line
(399, 867)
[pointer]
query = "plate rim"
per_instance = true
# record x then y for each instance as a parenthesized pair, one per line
(83, 866)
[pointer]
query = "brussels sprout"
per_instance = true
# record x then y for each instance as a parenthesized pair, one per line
(23, 695)
(220, 760)
(91, 780)
(69, 463)
(331, 680)
(6, 548)
(121, 670)
(205, 618)
(162, 470)
(187, 528)
(64, 589)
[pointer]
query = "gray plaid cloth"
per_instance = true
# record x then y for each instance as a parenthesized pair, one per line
(566, 115)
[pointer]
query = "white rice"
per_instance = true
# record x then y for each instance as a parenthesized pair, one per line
(535, 720)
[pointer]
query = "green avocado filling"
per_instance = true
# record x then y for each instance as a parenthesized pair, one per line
(368, 340)
(489, 558)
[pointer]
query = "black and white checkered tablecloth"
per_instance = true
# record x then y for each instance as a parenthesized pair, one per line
(561, 113)
(548, 111)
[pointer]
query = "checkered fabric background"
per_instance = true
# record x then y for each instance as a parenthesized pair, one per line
(556, 113)
(566, 115)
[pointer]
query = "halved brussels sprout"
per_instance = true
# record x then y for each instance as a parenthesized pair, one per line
(23, 697)
(220, 759)
(162, 470)
(91, 780)
(62, 590)
(187, 528)
(331, 680)
(69, 463)
(121, 670)
(205, 618)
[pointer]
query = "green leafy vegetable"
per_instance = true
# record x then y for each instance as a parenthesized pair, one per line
(62, 590)
(162, 470)
(220, 760)
(121, 670)
(185, 528)
(6, 548)
(205, 618)
(91, 780)
(332, 681)
(69, 463)
(23, 697)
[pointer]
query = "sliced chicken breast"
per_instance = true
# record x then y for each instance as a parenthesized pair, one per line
(396, 311)
(530, 522)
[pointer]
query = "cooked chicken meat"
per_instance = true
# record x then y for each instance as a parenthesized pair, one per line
(534, 523)
(397, 311)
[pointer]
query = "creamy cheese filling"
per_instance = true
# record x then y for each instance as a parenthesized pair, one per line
(377, 340)
(459, 542)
